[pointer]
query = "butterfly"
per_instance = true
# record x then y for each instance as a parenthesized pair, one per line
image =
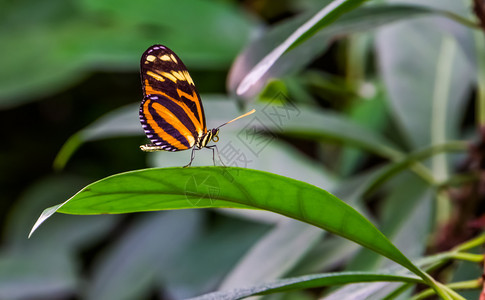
(171, 112)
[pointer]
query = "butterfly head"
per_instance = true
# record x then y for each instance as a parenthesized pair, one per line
(215, 134)
(211, 135)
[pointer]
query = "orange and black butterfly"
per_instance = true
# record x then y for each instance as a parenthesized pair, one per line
(171, 112)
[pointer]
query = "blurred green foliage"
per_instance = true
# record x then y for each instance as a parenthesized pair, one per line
(362, 96)
(55, 44)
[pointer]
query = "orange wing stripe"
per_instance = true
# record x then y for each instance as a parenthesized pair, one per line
(198, 126)
(162, 133)
(200, 129)
(149, 90)
(174, 121)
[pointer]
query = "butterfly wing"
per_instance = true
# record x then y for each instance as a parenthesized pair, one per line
(171, 112)
(166, 124)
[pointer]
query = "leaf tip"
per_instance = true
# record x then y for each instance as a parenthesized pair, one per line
(44, 216)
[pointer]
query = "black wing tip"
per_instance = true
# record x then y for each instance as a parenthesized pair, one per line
(155, 50)
(156, 47)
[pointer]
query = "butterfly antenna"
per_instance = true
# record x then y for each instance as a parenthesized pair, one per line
(242, 116)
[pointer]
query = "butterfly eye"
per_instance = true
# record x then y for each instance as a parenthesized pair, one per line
(215, 138)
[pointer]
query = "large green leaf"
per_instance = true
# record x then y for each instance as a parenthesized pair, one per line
(176, 188)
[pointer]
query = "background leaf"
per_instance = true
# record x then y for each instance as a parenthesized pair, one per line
(310, 47)
(408, 80)
(307, 282)
(274, 255)
(112, 40)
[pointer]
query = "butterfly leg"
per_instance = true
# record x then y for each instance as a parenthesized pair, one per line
(214, 147)
(191, 158)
